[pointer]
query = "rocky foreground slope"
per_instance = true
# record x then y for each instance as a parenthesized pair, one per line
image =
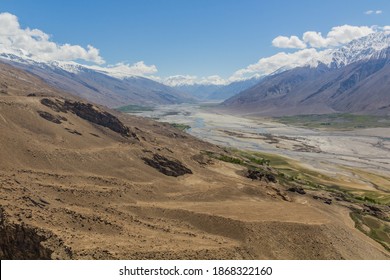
(78, 181)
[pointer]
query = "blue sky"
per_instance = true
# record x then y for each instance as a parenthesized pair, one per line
(197, 38)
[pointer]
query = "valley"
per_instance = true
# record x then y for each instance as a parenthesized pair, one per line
(85, 184)
(351, 164)
(288, 158)
(331, 151)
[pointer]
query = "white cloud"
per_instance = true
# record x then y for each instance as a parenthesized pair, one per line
(315, 39)
(36, 44)
(308, 55)
(371, 12)
(268, 65)
(292, 42)
(337, 36)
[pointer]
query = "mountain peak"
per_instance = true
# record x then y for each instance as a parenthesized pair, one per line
(362, 49)
(352, 79)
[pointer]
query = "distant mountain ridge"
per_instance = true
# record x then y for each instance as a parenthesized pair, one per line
(97, 86)
(354, 78)
(212, 92)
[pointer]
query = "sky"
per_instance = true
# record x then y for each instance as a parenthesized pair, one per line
(186, 41)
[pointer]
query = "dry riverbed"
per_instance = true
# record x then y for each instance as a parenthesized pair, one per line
(360, 158)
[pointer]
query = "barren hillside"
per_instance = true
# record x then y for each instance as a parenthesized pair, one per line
(78, 181)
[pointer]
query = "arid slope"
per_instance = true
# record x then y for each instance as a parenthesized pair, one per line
(80, 182)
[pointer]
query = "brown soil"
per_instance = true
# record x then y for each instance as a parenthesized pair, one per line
(92, 194)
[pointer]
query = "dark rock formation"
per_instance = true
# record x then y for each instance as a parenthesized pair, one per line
(299, 190)
(339, 196)
(73, 131)
(167, 166)
(283, 195)
(23, 242)
(54, 105)
(324, 199)
(381, 212)
(18, 242)
(260, 175)
(54, 119)
(90, 113)
(201, 159)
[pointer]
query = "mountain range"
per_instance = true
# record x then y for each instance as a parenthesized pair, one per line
(211, 92)
(116, 90)
(354, 78)
(97, 86)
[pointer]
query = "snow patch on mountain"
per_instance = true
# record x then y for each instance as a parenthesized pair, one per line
(363, 49)
(373, 46)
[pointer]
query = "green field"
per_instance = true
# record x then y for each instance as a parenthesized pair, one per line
(336, 121)
(292, 172)
(180, 126)
(377, 229)
(134, 108)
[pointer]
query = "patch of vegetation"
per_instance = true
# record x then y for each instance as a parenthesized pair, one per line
(180, 126)
(336, 121)
(131, 108)
(375, 228)
(257, 168)
(243, 158)
(259, 161)
(170, 113)
(290, 172)
(230, 159)
(208, 105)
(253, 158)
(375, 197)
(379, 181)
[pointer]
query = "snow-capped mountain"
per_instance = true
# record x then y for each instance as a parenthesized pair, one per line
(354, 78)
(372, 46)
(211, 92)
(96, 85)
(22, 57)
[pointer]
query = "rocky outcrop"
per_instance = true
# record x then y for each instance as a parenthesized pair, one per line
(326, 200)
(261, 176)
(56, 106)
(90, 113)
(202, 159)
(18, 243)
(51, 118)
(379, 211)
(169, 167)
(24, 242)
(299, 190)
